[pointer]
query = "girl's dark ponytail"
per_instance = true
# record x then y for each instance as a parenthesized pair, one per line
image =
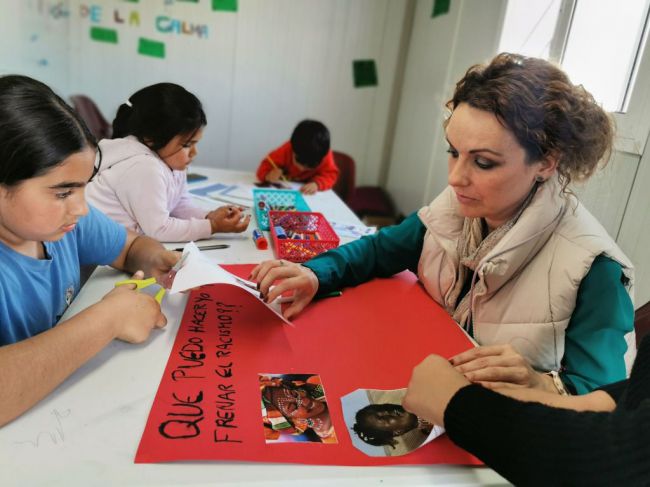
(121, 122)
(158, 113)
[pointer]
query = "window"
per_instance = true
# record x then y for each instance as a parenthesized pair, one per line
(598, 43)
(528, 27)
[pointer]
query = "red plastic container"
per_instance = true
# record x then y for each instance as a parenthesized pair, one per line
(307, 234)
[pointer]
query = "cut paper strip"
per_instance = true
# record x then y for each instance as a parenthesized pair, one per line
(100, 34)
(224, 5)
(365, 73)
(199, 270)
(148, 47)
(440, 7)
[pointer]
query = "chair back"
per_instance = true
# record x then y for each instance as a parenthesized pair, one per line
(90, 113)
(345, 185)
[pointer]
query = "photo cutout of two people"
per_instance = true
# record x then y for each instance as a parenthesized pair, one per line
(294, 409)
(380, 427)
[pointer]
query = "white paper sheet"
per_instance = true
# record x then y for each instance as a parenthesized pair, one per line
(344, 230)
(198, 270)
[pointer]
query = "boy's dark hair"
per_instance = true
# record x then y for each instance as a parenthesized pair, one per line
(38, 130)
(158, 113)
(310, 142)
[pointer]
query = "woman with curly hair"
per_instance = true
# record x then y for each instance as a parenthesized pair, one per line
(507, 249)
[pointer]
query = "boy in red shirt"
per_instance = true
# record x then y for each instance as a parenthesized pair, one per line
(306, 157)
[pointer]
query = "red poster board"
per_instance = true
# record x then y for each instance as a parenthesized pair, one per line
(208, 403)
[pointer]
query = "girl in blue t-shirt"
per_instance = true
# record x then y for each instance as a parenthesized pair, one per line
(47, 156)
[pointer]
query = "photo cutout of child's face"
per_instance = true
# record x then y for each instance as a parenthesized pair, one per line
(294, 409)
(379, 426)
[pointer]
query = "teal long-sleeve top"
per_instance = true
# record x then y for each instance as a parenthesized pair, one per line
(595, 337)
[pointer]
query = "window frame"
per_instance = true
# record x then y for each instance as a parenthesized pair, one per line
(633, 125)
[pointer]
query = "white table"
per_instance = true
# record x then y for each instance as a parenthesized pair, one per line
(87, 431)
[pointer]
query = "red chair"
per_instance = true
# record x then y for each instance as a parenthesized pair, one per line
(344, 186)
(90, 113)
(368, 202)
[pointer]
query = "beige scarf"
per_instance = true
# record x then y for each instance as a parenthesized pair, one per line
(472, 247)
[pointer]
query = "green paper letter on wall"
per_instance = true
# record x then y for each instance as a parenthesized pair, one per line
(225, 5)
(147, 47)
(440, 7)
(100, 34)
(365, 73)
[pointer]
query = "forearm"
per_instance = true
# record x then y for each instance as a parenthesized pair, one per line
(388, 252)
(533, 444)
(263, 169)
(595, 344)
(348, 265)
(186, 209)
(594, 401)
(173, 229)
(31, 369)
(140, 255)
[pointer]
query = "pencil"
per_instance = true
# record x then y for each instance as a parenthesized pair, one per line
(289, 299)
(333, 294)
(206, 247)
(282, 178)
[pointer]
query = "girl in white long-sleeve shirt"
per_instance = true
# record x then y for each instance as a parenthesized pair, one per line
(142, 182)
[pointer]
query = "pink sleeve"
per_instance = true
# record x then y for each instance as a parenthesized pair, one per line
(185, 208)
(149, 207)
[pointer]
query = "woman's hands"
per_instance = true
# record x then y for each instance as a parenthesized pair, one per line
(297, 278)
(499, 366)
(228, 219)
(133, 314)
(433, 383)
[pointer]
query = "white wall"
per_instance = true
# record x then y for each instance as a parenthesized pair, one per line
(34, 41)
(441, 50)
(258, 72)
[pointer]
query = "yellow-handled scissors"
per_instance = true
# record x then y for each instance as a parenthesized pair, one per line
(142, 283)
